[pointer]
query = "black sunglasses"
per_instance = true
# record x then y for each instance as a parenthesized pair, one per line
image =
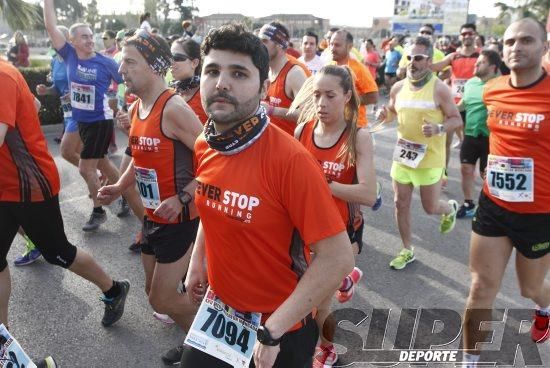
(180, 57)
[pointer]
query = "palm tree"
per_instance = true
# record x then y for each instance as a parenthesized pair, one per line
(537, 9)
(19, 14)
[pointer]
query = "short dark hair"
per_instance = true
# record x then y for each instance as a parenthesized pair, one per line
(493, 58)
(369, 40)
(469, 25)
(312, 34)
(349, 37)
(423, 41)
(428, 25)
(110, 33)
(235, 38)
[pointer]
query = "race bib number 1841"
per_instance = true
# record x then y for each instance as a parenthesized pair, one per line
(224, 332)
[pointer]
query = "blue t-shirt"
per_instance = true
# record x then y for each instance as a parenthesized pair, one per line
(59, 76)
(89, 81)
(392, 61)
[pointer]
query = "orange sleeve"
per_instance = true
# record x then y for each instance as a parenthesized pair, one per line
(308, 200)
(8, 100)
(364, 82)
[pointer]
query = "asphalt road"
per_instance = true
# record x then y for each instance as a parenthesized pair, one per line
(53, 312)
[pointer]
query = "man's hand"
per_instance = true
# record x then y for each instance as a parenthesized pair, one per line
(41, 89)
(264, 355)
(123, 120)
(429, 129)
(107, 194)
(169, 209)
(381, 114)
(196, 281)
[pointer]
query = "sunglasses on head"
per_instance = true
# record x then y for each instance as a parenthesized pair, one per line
(180, 57)
(429, 33)
(464, 34)
(417, 57)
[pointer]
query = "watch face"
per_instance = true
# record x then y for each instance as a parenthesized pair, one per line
(260, 334)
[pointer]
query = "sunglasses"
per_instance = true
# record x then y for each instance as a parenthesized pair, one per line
(417, 57)
(426, 33)
(465, 34)
(106, 38)
(180, 57)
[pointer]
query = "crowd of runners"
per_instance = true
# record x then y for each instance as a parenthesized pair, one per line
(214, 170)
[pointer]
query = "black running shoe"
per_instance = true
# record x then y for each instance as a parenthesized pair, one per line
(114, 307)
(124, 209)
(173, 356)
(95, 220)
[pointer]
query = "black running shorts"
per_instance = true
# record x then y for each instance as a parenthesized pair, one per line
(43, 224)
(473, 149)
(96, 138)
(297, 348)
(168, 242)
(356, 235)
(530, 233)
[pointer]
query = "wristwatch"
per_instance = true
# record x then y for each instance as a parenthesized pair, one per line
(440, 129)
(184, 197)
(265, 338)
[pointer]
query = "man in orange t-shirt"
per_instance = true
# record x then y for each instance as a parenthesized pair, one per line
(286, 76)
(29, 188)
(514, 206)
(259, 218)
(341, 44)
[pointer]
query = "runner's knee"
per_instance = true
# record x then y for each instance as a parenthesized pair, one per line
(61, 256)
(483, 288)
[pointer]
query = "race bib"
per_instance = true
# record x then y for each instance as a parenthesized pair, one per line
(457, 86)
(66, 105)
(511, 178)
(83, 96)
(148, 187)
(409, 153)
(12, 354)
(224, 332)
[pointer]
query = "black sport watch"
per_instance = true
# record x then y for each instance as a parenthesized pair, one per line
(184, 197)
(265, 338)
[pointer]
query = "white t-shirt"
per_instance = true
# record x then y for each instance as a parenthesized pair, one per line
(314, 65)
(146, 26)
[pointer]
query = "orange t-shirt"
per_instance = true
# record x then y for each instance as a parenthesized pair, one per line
(335, 168)
(276, 95)
(364, 83)
(462, 69)
(27, 170)
(519, 123)
(259, 216)
(196, 105)
(163, 166)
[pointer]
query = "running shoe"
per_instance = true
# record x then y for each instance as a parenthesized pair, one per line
(95, 220)
(378, 202)
(448, 221)
(466, 211)
(47, 362)
(344, 296)
(114, 307)
(540, 330)
(164, 318)
(404, 257)
(136, 245)
(173, 356)
(124, 209)
(30, 256)
(325, 357)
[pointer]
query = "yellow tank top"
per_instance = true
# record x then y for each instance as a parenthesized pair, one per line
(414, 106)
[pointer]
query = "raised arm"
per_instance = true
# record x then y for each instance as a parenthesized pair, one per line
(57, 38)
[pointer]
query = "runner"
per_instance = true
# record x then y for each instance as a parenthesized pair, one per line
(371, 58)
(425, 110)
(162, 135)
(462, 64)
(476, 135)
(309, 53)
(29, 188)
(328, 129)
(186, 70)
(391, 64)
(514, 206)
(286, 75)
(340, 46)
(256, 211)
(90, 76)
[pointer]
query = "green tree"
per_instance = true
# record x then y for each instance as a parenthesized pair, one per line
(92, 14)
(19, 14)
(537, 9)
(69, 10)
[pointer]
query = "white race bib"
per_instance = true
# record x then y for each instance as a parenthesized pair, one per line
(511, 178)
(148, 186)
(409, 153)
(457, 85)
(83, 96)
(224, 332)
(66, 105)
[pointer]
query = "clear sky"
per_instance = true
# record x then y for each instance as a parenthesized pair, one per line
(340, 12)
